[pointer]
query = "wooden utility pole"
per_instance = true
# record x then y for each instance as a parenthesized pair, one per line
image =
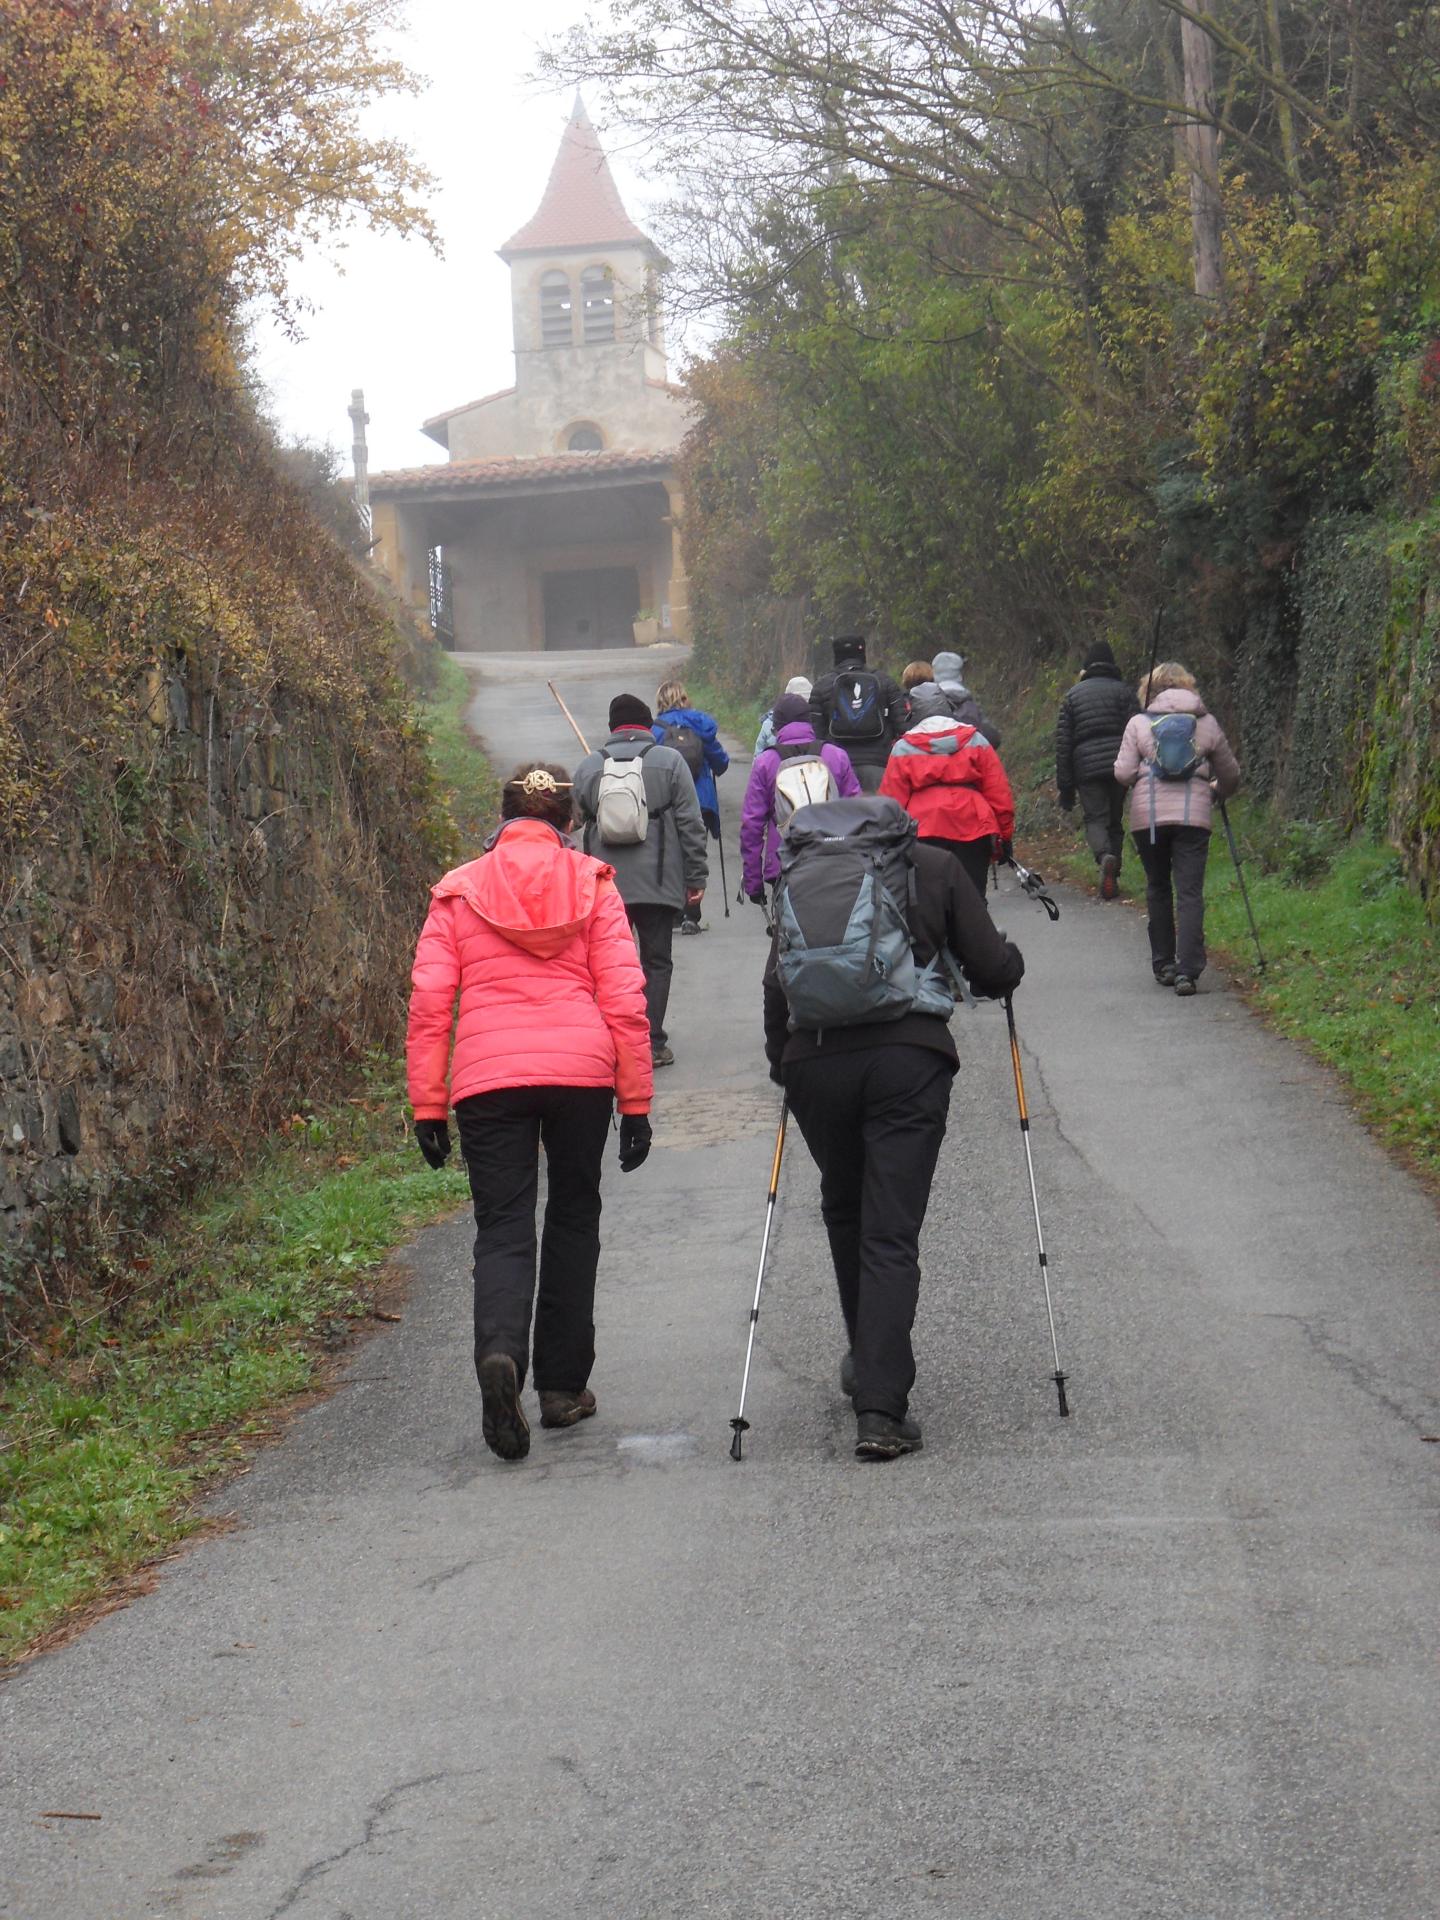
(1197, 51)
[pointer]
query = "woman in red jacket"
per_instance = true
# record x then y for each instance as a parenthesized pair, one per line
(949, 779)
(551, 1032)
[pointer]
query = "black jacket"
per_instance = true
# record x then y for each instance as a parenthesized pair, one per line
(1091, 725)
(947, 912)
(864, 753)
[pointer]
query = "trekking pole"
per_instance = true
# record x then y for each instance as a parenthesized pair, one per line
(740, 1423)
(1033, 884)
(720, 838)
(584, 743)
(1057, 1376)
(1154, 651)
(1240, 876)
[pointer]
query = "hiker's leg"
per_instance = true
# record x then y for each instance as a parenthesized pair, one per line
(906, 1098)
(574, 1128)
(1189, 852)
(1117, 822)
(1159, 908)
(500, 1141)
(1094, 796)
(824, 1098)
(655, 935)
(868, 775)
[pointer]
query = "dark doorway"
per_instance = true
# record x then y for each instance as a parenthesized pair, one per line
(592, 608)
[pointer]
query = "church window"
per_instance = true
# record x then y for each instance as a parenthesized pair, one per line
(597, 305)
(557, 328)
(585, 439)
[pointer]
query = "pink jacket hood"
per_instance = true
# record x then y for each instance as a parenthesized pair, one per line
(533, 888)
(1177, 700)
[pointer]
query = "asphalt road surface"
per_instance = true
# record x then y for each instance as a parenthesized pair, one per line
(1173, 1656)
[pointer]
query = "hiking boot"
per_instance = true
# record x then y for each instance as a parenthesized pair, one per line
(1109, 877)
(662, 1057)
(561, 1409)
(691, 926)
(879, 1437)
(1165, 976)
(1184, 985)
(847, 1376)
(503, 1423)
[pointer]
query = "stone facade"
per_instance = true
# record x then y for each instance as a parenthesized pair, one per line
(556, 521)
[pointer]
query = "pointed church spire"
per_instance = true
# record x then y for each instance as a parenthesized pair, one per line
(581, 206)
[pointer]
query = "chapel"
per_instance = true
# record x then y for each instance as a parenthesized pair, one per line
(553, 523)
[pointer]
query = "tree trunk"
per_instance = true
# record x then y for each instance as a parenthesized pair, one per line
(1202, 155)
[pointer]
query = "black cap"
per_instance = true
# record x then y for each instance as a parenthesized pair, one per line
(847, 647)
(629, 710)
(1099, 653)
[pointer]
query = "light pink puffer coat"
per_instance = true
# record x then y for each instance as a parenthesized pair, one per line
(1175, 803)
(534, 937)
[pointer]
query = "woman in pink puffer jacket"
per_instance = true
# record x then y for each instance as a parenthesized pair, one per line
(1170, 817)
(551, 1032)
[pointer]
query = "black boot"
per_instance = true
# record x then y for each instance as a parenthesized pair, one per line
(880, 1437)
(506, 1430)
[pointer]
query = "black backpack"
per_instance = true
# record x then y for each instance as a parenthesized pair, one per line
(857, 712)
(687, 743)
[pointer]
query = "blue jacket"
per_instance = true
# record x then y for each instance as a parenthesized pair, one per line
(716, 758)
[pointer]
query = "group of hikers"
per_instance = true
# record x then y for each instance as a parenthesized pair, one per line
(873, 814)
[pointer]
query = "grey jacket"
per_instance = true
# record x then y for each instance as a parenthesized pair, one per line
(671, 857)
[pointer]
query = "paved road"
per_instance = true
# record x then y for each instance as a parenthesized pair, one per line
(1173, 1657)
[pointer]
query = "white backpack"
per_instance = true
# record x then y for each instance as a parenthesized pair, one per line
(804, 780)
(622, 812)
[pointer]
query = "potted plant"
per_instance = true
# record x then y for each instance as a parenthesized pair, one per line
(647, 628)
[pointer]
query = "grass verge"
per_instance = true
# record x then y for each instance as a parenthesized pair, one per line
(109, 1433)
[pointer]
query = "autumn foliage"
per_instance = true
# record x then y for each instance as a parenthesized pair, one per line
(216, 815)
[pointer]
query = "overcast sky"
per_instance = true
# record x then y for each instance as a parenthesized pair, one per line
(421, 334)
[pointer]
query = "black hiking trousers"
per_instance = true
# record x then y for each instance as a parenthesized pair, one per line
(1102, 804)
(654, 929)
(501, 1134)
(1176, 859)
(873, 1120)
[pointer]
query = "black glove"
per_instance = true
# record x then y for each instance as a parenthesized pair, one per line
(777, 1073)
(757, 898)
(434, 1138)
(1067, 799)
(635, 1138)
(1004, 851)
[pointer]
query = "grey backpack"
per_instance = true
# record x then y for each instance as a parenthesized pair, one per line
(844, 956)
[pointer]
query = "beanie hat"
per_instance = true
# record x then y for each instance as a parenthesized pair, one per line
(848, 649)
(1098, 654)
(799, 685)
(629, 710)
(789, 708)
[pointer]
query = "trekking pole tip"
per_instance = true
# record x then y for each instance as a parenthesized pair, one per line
(1059, 1379)
(741, 1427)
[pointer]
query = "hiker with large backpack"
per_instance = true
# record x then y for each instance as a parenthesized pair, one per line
(636, 804)
(797, 771)
(695, 736)
(1177, 760)
(860, 709)
(1092, 721)
(871, 928)
(948, 777)
(549, 1035)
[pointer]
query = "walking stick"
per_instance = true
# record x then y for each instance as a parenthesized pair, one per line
(584, 743)
(1057, 1376)
(1240, 876)
(740, 1423)
(720, 838)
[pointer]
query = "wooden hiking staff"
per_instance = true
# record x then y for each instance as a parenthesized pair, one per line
(584, 743)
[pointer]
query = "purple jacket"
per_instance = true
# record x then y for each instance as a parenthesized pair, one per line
(759, 838)
(1175, 803)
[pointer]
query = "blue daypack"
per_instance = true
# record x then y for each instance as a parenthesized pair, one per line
(1175, 754)
(844, 954)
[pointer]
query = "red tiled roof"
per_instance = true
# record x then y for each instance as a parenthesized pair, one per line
(581, 206)
(475, 476)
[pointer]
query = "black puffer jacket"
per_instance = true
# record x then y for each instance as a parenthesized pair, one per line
(1092, 722)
